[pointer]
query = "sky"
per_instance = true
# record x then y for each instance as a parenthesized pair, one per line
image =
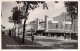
(55, 9)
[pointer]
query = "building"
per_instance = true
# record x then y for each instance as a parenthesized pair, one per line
(59, 26)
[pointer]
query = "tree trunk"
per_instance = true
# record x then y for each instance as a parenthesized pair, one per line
(71, 26)
(25, 22)
(15, 31)
(18, 31)
(23, 31)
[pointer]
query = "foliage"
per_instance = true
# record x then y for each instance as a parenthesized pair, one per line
(16, 16)
(72, 8)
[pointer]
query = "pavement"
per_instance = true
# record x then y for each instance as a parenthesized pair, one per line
(9, 42)
(40, 42)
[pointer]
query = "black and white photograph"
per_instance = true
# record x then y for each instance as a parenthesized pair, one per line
(39, 24)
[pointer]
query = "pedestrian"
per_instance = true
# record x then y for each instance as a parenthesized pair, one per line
(9, 32)
(32, 38)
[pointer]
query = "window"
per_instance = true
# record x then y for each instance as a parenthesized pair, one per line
(66, 26)
(61, 26)
(74, 28)
(56, 26)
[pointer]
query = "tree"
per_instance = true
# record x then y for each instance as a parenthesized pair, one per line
(17, 15)
(72, 10)
(16, 18)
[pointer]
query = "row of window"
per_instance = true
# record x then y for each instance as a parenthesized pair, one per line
(53, 26)
(58, 26)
